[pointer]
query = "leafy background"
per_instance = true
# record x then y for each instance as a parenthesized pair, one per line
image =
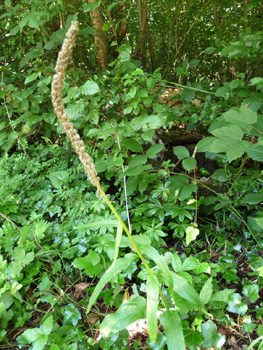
(170, 109)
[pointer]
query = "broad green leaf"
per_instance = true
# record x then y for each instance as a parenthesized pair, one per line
(150, 82)
(206, 291)
(235, 83)
(189, 163)
(220, 175)
(132, 144)
(256, 81)
(131, 94)
(89, 88)
(185, 290)
(176, 263)
(92, 6)
(181, 152)
(15, 30)
(222, 91)
(71, 315)
(253, 198)
(172, 325)
(120, 264)
(58, 178)
(37, 337)
(137, 160)
(31, 77)
(229, 140)
(134, 171)
(251, 291)
(205, 144)
(87, 31)
(91, 263)
(188, 95)
(190, 263)
(117, 245)
(255, 223)
(211, 337)
(193, 63)
(47, 325)
(222, 295)
(7, 299)
(154, 150)
(233, 132)
(33, 21)
(159, 260)
(129, 312)
(152, 290)
(191, 234)
(255, 151)
(236, 305)
(138, 71)
(209, 50)
(193, 338)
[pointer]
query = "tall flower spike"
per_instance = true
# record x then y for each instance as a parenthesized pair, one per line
(56, 93)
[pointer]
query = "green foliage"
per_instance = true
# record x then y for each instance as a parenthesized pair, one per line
(57, 234)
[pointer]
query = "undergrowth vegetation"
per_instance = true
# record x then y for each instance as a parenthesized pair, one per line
(192, 263)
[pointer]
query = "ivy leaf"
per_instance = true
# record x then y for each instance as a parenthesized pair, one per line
(251, 291)
(211, 337)
(236, 305)
(71, 315)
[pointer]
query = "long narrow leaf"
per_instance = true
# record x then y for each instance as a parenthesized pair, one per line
(185, 290)
(152, 289)
(117, 245)
(173, 330)
(100, 223)
(160, 262)
(120, 264)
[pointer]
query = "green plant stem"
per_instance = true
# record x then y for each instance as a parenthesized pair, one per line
(187, 87)
(135, 246)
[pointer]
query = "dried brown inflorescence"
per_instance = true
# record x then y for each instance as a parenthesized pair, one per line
(61, 69)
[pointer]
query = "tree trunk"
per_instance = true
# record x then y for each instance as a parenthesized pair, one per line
(142, 5)
(151, 50)
(100, 36)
